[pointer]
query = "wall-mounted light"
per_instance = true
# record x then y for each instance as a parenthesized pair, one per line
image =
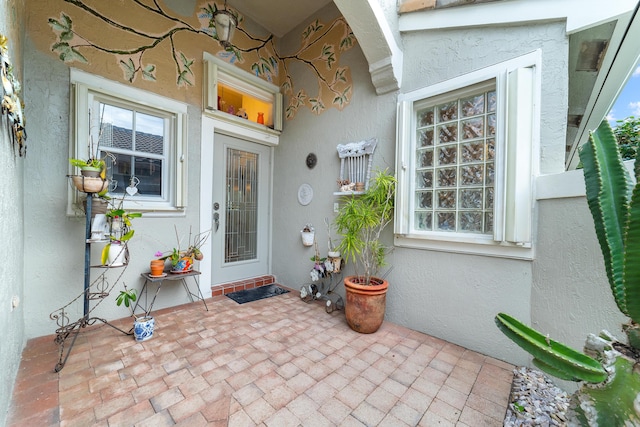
(226, 23)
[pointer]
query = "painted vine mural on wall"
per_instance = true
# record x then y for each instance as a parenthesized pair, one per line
(146, 39)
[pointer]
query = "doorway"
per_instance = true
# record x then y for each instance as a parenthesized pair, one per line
(235, 203)
(241, 196)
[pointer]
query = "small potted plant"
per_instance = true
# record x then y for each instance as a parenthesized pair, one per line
(182, 260)
(114, 252)
(360, 222)
(142, 326)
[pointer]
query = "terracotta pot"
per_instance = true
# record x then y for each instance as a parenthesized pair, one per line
(365, 304)
(157, 267)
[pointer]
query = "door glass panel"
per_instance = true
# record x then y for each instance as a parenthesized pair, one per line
(241, 205)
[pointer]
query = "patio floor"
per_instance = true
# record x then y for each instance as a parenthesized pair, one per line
(274, 362)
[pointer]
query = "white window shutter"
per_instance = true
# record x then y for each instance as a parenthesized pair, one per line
(519, 143)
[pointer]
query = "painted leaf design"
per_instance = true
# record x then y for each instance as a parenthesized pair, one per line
(129, 69)
(290, 112)
(347, 42)
(328, 55)
(186, 62)
(314, 27)
(316, 105)
(183, 79)
(340, 75)
(67, 53)
(147, 72)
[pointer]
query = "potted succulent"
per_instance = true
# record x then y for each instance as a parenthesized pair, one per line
(360, 222)
(142, 326)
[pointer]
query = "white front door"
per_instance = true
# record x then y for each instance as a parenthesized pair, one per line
(240, 217)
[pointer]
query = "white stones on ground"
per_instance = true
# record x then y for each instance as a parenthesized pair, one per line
(535, 400)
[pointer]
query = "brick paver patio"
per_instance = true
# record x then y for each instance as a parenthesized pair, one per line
(276, 362)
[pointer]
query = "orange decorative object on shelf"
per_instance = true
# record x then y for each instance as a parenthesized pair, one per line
(261, 118)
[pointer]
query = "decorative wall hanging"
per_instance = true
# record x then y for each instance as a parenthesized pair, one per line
(80, 28)
(312, 160)
(305, 194)
(11, 103)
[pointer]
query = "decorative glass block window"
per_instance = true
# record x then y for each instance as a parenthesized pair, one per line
(455, 162)
(467, 160)
(141, 135)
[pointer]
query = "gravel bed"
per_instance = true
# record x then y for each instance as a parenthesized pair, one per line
(535, 400)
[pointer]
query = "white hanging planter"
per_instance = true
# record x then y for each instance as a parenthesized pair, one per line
(308, 235)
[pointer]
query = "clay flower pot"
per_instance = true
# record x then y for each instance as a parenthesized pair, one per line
(157, 267)
(365, 304)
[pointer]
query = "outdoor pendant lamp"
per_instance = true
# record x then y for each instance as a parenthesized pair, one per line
(226, 23)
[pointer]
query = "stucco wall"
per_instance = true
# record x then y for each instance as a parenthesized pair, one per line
(57, 240)
(571, 296)
(11, 221)
(452, 296)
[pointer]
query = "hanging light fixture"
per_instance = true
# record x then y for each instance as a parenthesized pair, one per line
(226, 23)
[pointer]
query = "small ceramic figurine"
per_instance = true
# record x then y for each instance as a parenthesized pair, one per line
(242, 113)
(231, 110)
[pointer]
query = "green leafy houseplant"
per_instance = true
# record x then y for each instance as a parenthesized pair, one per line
(360, 222)
(610, 389)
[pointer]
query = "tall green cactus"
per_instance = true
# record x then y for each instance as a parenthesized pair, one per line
(615, 385)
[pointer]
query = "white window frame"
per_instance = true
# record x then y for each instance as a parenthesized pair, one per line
(518, 89)
(87, 89)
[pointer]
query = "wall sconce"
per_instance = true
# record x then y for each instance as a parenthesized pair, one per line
(226, 23)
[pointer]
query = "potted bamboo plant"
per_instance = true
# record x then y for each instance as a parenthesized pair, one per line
(360, 222)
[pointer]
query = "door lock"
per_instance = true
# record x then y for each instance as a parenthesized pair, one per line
(216, 220)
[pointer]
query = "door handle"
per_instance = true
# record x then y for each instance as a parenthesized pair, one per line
(216, 220)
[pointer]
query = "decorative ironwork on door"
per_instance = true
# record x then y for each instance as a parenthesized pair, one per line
(241, 205)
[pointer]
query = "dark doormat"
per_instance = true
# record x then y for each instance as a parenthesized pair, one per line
(255, 294)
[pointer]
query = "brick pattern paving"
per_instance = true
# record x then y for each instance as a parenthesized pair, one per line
(274, 362)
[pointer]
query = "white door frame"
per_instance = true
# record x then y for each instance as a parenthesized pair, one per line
(211, 125)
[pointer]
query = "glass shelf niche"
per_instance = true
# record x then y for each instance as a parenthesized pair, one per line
(229, 89)
(230, 101)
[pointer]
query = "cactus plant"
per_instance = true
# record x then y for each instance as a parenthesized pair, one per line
(610, 391)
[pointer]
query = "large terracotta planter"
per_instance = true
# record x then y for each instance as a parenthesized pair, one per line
(365, 304)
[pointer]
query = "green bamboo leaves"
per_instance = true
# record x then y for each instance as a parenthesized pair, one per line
(551, 356)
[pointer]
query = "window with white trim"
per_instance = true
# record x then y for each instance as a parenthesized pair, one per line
(141, 136)
(466, 159)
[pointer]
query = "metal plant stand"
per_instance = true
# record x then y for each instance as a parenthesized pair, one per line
(93, 291)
